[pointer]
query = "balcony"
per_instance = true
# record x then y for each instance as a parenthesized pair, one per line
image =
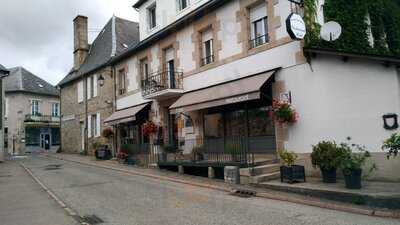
(39, 119)
(162, 84)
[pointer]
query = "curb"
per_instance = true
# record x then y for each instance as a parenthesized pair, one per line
(314, 203)
(68, 210)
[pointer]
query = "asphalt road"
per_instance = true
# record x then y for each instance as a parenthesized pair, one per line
(23, 202)
(122, 199)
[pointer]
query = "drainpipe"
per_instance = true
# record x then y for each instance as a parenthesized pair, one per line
(115, 138)
(86, 114)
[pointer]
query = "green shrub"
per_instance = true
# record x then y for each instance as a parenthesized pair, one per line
(327, 155)
(288, 158)
(392, 144)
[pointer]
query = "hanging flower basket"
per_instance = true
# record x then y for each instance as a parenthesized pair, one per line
(107, 133)
(149, 128)
(283, 112)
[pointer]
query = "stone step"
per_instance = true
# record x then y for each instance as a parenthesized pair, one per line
(259, 170)
(265, 177)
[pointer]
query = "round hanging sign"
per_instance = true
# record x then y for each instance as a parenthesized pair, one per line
(296, 27)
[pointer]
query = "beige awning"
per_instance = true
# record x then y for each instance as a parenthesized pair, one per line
(125, 115)
(241, 90)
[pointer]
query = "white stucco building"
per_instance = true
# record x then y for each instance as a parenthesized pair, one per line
(200, 71)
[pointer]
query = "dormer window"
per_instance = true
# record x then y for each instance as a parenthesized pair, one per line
(152, 18)
(183, 4)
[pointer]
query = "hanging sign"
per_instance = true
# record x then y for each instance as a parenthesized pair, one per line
(296, 27)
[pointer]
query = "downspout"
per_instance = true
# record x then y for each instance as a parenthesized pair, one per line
(115, 138)
(86, 114)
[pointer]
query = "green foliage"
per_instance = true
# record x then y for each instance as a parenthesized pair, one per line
(355, 157)
(392, 144)
(327, 155)
(288, 158)
(230, 149)
(96, 145)
(351, 15)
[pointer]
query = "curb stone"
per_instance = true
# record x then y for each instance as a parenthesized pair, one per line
(320, 204)
(68, 211)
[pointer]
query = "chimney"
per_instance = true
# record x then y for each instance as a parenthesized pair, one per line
(81, 45)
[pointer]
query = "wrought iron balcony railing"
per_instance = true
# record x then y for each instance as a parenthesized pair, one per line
(258, 41)
(162, 80)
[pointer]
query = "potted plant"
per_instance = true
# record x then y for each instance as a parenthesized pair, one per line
(283, 112)
(352, 164)
(233, 151)
(392, 144)
(327, 155)
(289, 171)
(198, 153)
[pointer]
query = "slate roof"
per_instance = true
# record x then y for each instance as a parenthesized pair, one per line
(21, 80)
(3, 70)
(116, 36)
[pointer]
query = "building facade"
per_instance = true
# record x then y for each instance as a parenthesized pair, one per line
(3, 73)
(32, 113)
(86, 92)
(206, 73)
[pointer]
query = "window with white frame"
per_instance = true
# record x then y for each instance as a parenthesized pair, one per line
(94, 125)
(91, 86)
(258, 25)
(121, 82)
(207, 47)
(55, 109)
(80, 91)
(183, 4)
(152, 17)
(35, 107)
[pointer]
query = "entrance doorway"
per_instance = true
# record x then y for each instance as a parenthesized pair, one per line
(45, 141)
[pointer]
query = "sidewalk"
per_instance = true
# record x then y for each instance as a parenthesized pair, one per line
(271, 193)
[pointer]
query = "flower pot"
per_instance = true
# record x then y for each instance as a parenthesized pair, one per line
(352, 178)
(292, 174)
(329, 175)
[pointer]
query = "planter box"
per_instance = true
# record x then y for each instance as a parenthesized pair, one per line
(293, 174)
(329, 176)
(353, 178)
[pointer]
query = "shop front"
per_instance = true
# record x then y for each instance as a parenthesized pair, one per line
(129, 136)
(226, 124)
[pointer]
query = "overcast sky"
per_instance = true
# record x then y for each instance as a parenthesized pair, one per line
(38, 34)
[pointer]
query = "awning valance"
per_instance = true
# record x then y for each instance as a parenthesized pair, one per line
(125, 115)
(244, 89)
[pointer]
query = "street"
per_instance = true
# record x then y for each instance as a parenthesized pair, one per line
(122, 199)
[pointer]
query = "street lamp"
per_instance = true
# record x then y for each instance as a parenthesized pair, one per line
(101, 81)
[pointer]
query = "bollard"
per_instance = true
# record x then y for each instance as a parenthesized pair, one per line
(211, 172)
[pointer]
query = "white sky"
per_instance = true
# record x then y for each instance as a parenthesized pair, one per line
(38, 34)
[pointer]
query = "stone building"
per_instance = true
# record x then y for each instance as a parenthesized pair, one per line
(3, 73)
(32, 113)
(86, 92)
(206, 72)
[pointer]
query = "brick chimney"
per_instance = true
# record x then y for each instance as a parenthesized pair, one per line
(81, 45)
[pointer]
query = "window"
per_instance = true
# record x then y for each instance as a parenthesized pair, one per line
(55, 110)
(32, 136)
(213, 125)
(35, 108)
(94, 125)
(121, 82)
(170, 66)
(207, 49)
(80, 91)
(55, 136)
(152, 18)
(182, 4)
(258, 25)
(6, 108)
(144, 69)
(91, 84)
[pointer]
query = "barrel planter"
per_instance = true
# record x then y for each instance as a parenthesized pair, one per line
(352, 178)
(329, 175)
(292, 174)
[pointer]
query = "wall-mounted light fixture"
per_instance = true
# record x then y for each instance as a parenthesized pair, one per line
(390, 121)
(101, 81)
